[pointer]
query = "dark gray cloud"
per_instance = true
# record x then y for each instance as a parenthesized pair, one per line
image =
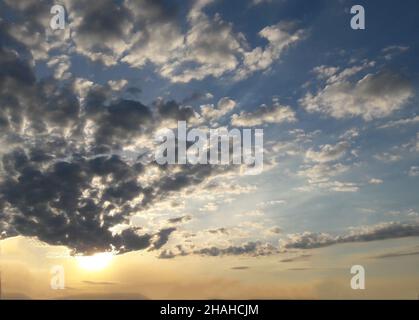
(122, 120)
(162, 237)
(196, 96)
(306, 240)
(382, 231)
(99, 283)
(134, 91)
(299, 269)
(180, 219)
(167, 254)
(297, 258)
(105, 20)
(250, 248)
(218, 231)
(172, 253)
(171, 109)
(240, 268)
(50, 205)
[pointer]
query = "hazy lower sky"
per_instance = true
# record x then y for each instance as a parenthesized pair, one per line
(80, 108)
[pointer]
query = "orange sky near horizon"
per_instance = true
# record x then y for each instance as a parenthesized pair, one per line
(26, 266)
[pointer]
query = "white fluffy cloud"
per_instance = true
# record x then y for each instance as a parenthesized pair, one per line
(279, 37)
(264, 114)
(215, 48)
(375, 95)
(117, 85)
(210, 48)
(213, 113)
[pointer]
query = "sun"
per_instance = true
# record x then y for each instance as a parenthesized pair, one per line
(96, 262)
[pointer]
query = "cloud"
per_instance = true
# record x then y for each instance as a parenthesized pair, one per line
(122, 120)
(218, 231)
(258, 2)
(173, 110)
(162, 237)
(401, 122)
(210, 44)
(209, 207)
(145, 31)
(280, 37)
(387, 157)
(275, 230)
(117, 85)
(297, 258)
(62, 65)
(172, 253)
(381, 231)
(321, 175)
(197, 96)
(131, 31)
(308, 240)
(245, 249)
(180, 219)
(375, 181)
(212, 113)
(322, 172)
(240, 268)
(215, 49)
(305, 240)
(271, 203)
(397, 254)
(375, 95)
(99, 283)
(328, 153)
(391, 51)
(414, 171)
(250, 248)
(264, 114)
(209, 47)
(30, 28)
(325, 72)
(138, 32)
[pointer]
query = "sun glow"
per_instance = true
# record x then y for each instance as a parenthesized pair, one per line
(96, 262)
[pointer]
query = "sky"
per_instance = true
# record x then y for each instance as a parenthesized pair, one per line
(80, 108)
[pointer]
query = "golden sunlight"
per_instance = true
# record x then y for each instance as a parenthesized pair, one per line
(96, 262)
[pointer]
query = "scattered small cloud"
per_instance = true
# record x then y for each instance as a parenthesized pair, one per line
(240, 268)
(414, 171)
(375, 181)
(274, 114)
